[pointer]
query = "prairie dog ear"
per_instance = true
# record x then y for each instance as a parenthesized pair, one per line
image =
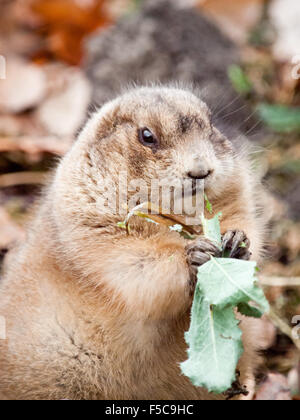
(101, 122)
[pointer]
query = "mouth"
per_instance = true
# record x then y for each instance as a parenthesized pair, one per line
(188, 188)
(194, 187)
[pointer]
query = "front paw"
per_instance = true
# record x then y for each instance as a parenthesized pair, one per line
(198, 253)
(235, 244)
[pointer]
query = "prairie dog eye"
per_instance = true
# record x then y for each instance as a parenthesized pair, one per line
(147, 138)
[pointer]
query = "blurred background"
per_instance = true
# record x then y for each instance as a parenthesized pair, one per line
(59, 59)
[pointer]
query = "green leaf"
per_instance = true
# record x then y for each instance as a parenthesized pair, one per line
(208, 204)
(179, 229)
(176, 228)
(215, 346)
(212, 229)
(121, 225)
(280, 118)
(248, 310)
(239, 80)
(226, 281)
(214, 338)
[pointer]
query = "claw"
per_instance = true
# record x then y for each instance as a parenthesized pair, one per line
(232, 245)
(227, 239)
(198, 253)
(237, 240)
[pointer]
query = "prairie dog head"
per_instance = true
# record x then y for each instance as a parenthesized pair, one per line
(148, 133)
(162, 132)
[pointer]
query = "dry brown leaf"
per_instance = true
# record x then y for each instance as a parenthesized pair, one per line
(74, 97)
(294, 380)
(67, 22)
(35, 145)
(81, 14)
(285, 16)
(117, 8)
(19, 11)
(24, 86)
(15, 125)
(285, 87)
(234, 17)
(274, 388)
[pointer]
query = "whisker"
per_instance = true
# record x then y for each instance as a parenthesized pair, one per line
(253, 128)
(234, 112)
(219, 103)
(247, 119)
(228, 105)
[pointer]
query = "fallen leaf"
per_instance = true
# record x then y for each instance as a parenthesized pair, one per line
(74, 97)
(294, 380)
(234, 17)
(35, 145)
(285, 16)
(274, 388)
(24, 86)
(67, 22)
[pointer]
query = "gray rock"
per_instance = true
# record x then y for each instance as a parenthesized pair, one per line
(164, 43)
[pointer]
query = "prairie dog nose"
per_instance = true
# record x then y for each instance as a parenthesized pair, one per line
(199, 175)
(199, 170)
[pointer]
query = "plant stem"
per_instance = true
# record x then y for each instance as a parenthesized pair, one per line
(283, 327)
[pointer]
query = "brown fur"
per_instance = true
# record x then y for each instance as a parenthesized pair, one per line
(93, 313)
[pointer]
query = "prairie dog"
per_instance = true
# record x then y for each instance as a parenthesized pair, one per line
(94, 313)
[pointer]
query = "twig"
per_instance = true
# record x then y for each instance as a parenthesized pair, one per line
(283, 327)
(33, 145)
(279, 281)
(22, 178)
